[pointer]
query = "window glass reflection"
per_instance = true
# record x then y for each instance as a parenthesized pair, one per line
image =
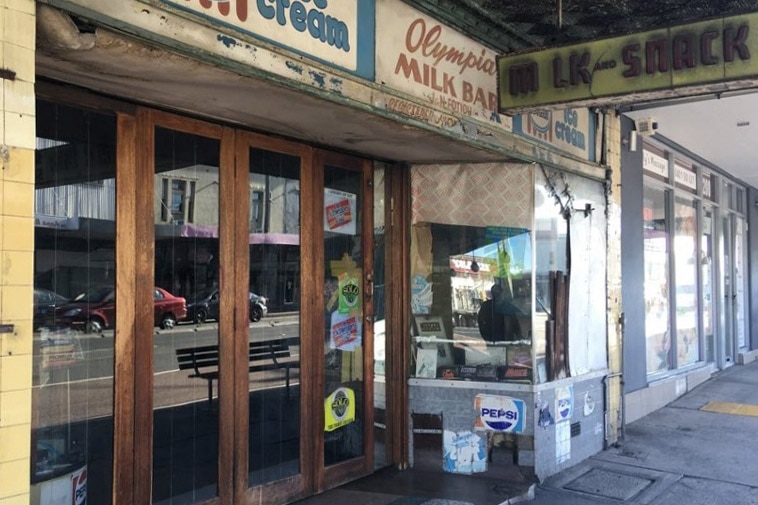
(74, 306)
(274, 313)
(186, 311)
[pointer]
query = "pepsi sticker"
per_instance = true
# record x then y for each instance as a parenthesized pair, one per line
(564, 403)
(500, 413)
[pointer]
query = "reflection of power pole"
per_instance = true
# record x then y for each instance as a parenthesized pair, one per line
(267, 209)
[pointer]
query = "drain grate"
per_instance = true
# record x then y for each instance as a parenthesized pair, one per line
(608, 484)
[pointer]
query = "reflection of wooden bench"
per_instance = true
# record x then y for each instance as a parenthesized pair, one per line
(262, 355)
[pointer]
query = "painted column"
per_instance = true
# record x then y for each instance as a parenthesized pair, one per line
(17, 141)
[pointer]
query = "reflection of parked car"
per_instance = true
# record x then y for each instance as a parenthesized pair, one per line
(45, 303)
(95, 310)
(205, 306)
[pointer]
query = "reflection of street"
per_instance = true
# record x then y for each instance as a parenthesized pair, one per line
(84, 390)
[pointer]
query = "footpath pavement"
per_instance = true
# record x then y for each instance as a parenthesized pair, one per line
(702, 449)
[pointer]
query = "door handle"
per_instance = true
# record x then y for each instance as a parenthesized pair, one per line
(369, 291)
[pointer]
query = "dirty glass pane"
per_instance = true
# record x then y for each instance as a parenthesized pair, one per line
(74, 306)
(274, 315)
(186, 311)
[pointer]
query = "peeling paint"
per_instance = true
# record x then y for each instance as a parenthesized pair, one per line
(226, 40)
(336, 83)
(318, 78)
(298, 69)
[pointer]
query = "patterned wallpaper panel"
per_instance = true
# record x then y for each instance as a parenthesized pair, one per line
(473, 194)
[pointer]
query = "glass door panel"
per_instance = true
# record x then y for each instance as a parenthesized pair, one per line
(706, 265)
(685, 253)
(656, 280)
(186, 305)
(344, 311)
(727, 314)
(274, 316)
(382, 456)
(740, 262)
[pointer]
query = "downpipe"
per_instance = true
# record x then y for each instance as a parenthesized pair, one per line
(607, 397)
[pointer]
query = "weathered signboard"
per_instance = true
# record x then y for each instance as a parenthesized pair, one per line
(704, 57)
(339, 33)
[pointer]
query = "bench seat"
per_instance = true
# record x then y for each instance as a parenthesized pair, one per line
(262, 355)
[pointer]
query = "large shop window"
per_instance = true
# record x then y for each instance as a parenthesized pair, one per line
(491, 276)
(74, 305)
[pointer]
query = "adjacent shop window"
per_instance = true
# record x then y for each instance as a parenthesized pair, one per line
(471, 271)
(186, 312)
(492, 273)
(656, 287)
(685, 274)
(74, 306)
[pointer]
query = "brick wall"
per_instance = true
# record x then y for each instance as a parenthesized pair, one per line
(17, 140)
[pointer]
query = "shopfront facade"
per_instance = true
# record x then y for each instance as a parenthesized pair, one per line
(175, 165)
(689, 243)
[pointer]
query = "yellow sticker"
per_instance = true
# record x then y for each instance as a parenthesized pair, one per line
(339, 408)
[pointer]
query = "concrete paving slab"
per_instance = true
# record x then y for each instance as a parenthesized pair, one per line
(651, 482)
(609, 484)
(689, 491)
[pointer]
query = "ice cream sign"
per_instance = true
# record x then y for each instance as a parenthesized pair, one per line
(500, 413)
(336, 32)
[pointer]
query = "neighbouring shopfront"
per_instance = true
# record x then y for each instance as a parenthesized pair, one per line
(265, 241)
(509, 315)
(689, 316)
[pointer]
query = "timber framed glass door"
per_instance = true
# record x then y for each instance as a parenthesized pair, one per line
(303, 223)
(344, 189)
(272, 350)
(239, 247)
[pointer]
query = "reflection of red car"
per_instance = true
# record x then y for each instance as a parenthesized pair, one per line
(95, 310)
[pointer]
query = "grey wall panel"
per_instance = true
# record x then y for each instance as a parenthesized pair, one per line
(752, 216)
(632, 262)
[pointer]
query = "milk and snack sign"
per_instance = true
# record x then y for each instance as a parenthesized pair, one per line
(500, 413)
